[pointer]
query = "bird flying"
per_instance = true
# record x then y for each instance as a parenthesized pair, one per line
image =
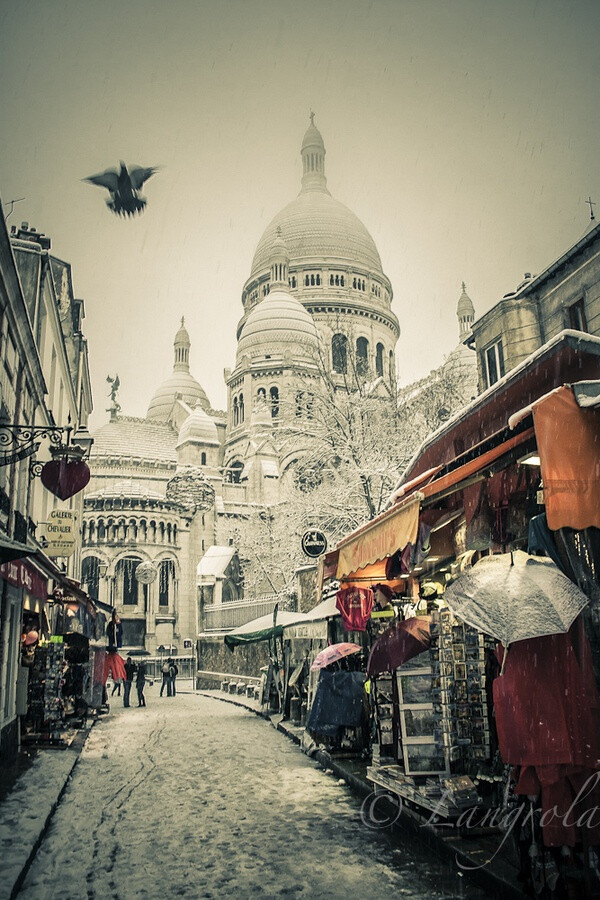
(124, 186)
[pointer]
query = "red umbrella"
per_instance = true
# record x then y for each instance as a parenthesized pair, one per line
(398, 644)
(333, 653)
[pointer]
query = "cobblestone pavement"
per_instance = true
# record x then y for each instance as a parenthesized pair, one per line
(191, 797)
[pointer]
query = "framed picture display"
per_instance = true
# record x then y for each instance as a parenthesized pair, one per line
(421, 754)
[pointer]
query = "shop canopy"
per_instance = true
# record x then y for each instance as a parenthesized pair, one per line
(263, 629)
(10, 550)
(379, 538)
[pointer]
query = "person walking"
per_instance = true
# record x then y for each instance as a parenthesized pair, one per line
(166, 678)
(173, 673)
(116, 688)
(140, 681)
(130, 669)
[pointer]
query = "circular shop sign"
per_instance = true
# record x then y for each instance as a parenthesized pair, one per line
(314, 543)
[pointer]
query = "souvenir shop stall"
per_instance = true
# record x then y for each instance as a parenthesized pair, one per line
(59, 650)
(485, 687)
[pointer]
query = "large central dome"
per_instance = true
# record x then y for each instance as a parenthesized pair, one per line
(317, 229)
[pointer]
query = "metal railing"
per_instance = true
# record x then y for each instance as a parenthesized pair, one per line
(185, 664)
(225, 616)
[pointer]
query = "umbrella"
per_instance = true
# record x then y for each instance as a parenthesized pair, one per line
(514, 596)
(333, 653)
(398, 644)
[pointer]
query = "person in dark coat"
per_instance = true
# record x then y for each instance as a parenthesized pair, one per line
(114, 632)
(173, 673)
(130, 669)
(140, 681)
(166, 678)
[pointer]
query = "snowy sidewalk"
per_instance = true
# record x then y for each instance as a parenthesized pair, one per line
(26, 811)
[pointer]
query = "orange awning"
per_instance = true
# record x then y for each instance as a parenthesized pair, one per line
(474, 466)
(568, 440)
(392, 530)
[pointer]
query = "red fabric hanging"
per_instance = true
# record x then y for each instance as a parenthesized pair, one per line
(355, 605)
(114, 664)
(548, 721)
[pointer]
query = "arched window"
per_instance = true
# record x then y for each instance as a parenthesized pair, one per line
(362, 356)
(166, 582)
(331, 280)
(339, 353)
(233, 474)
(337, 279)
(379, 360)
(126, 583)
(318, 279)
(299, 403)
(307, 280)
(354, 282)
(203, 459)
(90, 575)
(235, 411)
(312, 279)
(391, 367)
(261, 395)
(241, 407)
(342, 280)
(274, 394)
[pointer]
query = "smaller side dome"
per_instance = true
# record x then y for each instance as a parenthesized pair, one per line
(198, 428)
(278, 324)
(180, 383)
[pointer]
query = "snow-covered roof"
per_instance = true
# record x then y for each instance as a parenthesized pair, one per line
(215, 561)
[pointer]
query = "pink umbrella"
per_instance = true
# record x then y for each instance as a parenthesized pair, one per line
(333, 653)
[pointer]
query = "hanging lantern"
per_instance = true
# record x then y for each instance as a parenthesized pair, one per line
(146, 573)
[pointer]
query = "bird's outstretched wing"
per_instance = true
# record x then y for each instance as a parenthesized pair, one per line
(108, 179)
(139, 175)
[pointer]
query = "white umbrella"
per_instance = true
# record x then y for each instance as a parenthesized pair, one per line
(514, 596)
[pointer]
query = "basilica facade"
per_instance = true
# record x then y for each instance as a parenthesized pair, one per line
(316, 300)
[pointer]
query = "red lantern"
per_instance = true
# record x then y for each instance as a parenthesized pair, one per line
(65, 477)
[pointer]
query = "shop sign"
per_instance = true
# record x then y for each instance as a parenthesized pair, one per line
(56, 639)
(60, 533)
(20, 575)
(8, 458)
(314, 543)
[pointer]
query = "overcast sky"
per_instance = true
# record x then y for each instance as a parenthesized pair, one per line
(463, 133)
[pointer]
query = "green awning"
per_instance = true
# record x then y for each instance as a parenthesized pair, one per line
(262, 629)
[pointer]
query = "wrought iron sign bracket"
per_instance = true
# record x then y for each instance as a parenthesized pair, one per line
(21, 441)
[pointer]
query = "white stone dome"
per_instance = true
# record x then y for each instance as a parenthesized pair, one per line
(278, 324)
(179, 384)
(319, 230)
(198, 428)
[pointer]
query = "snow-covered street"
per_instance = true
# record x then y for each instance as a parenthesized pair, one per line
(192, 797)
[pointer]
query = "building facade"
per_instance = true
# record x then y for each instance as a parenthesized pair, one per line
(44, 384)
(565, 296)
